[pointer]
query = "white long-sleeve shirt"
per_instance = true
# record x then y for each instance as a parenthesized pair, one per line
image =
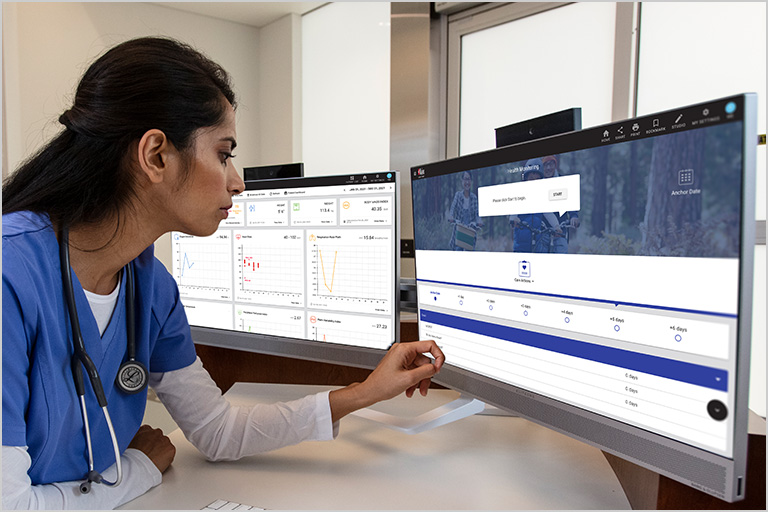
(218, 429)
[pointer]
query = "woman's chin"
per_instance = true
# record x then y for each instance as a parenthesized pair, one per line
(201, 231)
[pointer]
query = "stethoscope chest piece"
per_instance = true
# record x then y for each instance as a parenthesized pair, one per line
(131, 377)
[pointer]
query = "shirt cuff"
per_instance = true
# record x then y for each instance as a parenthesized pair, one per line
(325, 429)
(155, 477)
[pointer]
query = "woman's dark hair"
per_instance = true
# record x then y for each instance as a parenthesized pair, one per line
(82, 174)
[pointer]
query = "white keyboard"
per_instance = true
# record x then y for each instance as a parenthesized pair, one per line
(229, 505)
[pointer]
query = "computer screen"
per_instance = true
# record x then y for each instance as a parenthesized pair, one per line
(599, 283)
(302, 267)
(268, 172)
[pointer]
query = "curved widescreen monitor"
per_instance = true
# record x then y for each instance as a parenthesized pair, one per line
(600, 283)
(302, 267)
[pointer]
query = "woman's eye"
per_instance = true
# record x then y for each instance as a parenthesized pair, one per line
(226, 156)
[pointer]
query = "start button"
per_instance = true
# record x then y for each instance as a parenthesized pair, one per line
(558, 194)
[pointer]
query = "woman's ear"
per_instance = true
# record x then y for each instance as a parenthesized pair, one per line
(156, 155)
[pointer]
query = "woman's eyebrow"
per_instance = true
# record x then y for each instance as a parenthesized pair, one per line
(231, 140)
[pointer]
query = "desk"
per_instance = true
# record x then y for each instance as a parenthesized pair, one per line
(481, 462)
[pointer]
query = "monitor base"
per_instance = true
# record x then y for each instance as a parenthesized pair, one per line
(491, 410)
(458, 409)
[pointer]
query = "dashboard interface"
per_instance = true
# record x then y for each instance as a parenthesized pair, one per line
(303, 258)
(600, 268)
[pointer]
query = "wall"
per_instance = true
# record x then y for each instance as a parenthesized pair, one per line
(47, 47)
(279, 92)
(345, 88)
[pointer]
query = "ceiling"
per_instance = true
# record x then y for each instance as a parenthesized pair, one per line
(255, 14)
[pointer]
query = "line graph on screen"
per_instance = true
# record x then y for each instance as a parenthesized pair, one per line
(356, 272)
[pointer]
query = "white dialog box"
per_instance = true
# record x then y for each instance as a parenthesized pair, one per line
(549, 195)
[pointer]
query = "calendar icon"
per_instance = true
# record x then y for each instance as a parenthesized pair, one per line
(685, 177)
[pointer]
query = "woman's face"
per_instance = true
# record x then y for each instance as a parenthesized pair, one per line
(466, 181)
(205, 197)
(549, 168)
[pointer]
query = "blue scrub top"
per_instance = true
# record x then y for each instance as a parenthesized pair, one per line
(40, 406)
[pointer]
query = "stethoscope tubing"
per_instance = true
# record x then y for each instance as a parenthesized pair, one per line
(81, 355)
(80, 359)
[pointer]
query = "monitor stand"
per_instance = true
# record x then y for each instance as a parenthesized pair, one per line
(491, 410)
(462, 407)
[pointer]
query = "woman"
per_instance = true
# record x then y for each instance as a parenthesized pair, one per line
(146, 149)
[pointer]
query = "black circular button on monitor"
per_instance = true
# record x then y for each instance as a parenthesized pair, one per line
(717, 410)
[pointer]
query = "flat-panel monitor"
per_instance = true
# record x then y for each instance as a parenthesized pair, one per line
(268, 172)
(301, 267)
(599, 283)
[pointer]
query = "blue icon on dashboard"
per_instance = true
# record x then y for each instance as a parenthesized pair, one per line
(389, 175)
(730, 108)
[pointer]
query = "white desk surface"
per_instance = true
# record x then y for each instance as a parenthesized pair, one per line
(480, 462)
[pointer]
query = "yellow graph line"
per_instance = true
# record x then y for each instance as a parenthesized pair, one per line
(322, 265)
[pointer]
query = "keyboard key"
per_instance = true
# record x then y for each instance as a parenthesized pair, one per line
(229, 505)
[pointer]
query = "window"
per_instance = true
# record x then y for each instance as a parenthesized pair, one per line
(535, 65)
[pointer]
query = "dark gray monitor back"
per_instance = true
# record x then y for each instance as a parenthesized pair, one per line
(268, 172)
(568, 120)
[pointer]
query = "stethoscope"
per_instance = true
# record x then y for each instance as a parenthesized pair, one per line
(132, 376)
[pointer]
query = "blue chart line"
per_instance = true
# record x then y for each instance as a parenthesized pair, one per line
(185, 264)
(204, 265)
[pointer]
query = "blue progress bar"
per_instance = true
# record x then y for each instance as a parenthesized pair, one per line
(713, 378)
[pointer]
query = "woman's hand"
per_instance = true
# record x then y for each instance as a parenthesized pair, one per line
(154, 445)
(404, 368)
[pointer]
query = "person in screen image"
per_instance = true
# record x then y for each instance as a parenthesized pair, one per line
(146, 148)
(464, 215)
(531, 231)
(559, 243)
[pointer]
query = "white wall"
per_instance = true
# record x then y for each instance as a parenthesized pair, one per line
(279, 92)
(345, 88)
(47, 47)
